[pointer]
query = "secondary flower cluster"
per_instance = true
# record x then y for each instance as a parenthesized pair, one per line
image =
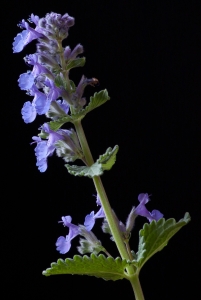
(54, 94)
(90, 243)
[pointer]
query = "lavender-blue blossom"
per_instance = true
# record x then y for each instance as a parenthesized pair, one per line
(90, 218)
(64, 243)
(141, 210)
(52, 27)
(65, 142)
(46, 148)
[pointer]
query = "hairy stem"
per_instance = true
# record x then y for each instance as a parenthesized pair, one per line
(123, 250)
(103, 197)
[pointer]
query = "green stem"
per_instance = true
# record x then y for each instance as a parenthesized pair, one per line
(83, 143)
(129, 250)
(134, 280)
(104, 200)
(137, 287)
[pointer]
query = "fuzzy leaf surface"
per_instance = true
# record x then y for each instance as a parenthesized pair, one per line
(105, 162)
(155, 236)
(93, 265)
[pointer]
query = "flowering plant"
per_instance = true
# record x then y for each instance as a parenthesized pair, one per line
(57, 97)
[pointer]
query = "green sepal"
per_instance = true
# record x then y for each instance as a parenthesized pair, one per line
(59, 82)
(93, 265)
(105, 162)
(95, 101)
(73, 86)
(78, 62)
(155, 236)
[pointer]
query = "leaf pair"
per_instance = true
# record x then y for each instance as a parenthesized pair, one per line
(105, 162)
(96, 100)
(152, 238)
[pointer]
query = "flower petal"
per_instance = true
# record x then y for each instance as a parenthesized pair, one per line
(89, 221)
(63, 244)
(28, 112)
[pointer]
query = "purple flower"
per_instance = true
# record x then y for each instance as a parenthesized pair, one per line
(26, 81)
(28, 112)
(38, 68)
(64, 105)
(40, 105)
(141, 210)
(90, 219)
(53, 91)
(42, 153)
(52, 27)
(63, 141)
(41, 101)
(55, 25)
(26, 36)
(68, 54)
(46, 148)
(64, 243)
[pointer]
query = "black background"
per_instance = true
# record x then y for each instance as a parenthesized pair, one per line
(147, 54)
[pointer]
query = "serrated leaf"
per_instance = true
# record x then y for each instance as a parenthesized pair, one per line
(108, 159)
(94, 170)
(95, 101)
(78, 62)
(98, 266)
(155, 236)
(55, 125)
(105, 162)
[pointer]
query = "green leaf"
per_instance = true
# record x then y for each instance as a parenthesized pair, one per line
(78, 62)
(98, 266)
(108, 159)
(94, 170)
(155, 236)
(59, 81)
(105, 162)
(55, 125)
(95, 101)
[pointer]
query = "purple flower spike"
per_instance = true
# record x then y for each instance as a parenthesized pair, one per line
(64, 243)
(141, 210)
